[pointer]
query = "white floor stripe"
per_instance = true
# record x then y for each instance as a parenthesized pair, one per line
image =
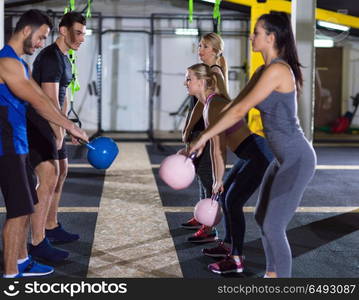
(318, 167)
(72, 165)
(171, 209)
(302, 209)
(337, 167)
(69, 209)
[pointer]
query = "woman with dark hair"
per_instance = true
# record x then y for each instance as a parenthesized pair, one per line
(275, 95)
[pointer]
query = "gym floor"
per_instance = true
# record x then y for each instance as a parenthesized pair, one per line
(129, 221)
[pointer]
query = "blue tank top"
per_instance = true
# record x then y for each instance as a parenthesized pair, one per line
(279, 115)
(13, 134)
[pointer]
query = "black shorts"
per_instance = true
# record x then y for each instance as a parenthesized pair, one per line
(42, 141)
(18, 185)
(62, 153)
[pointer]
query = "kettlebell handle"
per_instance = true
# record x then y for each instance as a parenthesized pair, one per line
(215, 197)
(82, 142)
(192, 155)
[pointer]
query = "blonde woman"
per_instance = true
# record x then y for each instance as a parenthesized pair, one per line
(244, 178)
(210, 52)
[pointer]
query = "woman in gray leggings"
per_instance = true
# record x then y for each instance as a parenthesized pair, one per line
(275, 95)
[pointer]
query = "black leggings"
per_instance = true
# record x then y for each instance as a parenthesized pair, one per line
(243, 180)
(204, 171)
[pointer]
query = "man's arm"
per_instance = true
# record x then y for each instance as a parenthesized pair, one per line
(65, 106)
(51, 89)
(12, 73)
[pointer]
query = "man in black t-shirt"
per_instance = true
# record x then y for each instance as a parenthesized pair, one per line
(53, 72)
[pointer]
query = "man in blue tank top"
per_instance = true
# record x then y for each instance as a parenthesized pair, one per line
(17, 89)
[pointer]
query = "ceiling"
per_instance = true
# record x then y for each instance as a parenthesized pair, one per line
(351, 7)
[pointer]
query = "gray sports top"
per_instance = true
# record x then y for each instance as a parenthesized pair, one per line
(279, 115)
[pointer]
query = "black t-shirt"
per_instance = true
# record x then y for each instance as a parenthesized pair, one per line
(51, 65)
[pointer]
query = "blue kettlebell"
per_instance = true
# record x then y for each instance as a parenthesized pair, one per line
(102, 151)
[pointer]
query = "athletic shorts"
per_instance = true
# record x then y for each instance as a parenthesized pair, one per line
(42, 142)
(18, 185)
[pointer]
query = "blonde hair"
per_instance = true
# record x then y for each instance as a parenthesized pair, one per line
(214, 81)
(217, 44)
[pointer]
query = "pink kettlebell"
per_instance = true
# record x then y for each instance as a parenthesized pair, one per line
(177, 171)
(208, 211)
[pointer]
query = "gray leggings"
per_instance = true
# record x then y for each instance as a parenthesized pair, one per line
(281, 192)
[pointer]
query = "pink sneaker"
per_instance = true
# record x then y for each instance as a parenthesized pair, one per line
(219, 251)
(227, 265)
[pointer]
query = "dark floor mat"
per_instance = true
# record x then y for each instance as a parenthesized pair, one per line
(83, 187)
(323, 245)
(80, 251)
(327, 188)
(337, 155)
(326, 155)
(332, 188)
(157, 155)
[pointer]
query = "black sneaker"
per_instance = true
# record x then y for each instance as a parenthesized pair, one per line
(45, 251)
(59, 235)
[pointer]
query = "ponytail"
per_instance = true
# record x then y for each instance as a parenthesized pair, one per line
(223, 64)
(220, 85)
(217, 44)
(279, 24)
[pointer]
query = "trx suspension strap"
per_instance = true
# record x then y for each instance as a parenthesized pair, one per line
(74, 84)
(74, 87)
(217, 16)
(190, 11)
